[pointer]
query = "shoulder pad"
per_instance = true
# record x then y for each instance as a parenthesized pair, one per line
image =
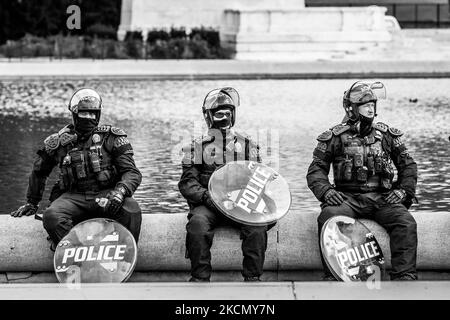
(381, 126)
(51, 142)
(67, 138)
(245, 136)
(325, 136)
(67, 128)
(395, 132)
(104, 128)
(203, 139)
(340, 128)
(117, 131)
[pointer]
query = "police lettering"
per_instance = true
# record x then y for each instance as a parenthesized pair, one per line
(358, 254)
(81, 254)
(254, 188)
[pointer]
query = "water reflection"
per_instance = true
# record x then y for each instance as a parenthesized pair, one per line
(157, 114)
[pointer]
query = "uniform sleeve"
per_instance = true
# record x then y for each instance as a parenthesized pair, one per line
(122, 155)
(405, 164)
(317, 176)
(42, 167)
(189, 184)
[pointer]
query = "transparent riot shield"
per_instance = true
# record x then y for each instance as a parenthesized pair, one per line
(95, 250)
(250, 193)
(350, 250)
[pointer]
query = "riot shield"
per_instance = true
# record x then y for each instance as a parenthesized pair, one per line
(95, 250)
(350, 250)
(250, 193)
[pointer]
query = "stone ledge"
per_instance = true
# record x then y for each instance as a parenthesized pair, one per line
(292, 244)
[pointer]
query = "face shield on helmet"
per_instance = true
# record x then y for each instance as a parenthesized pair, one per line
(83, 104)
(219, 107)
(361, 93)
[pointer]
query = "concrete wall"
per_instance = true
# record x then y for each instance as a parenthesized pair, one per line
(148, 14)
(262, 34)
(293, 244)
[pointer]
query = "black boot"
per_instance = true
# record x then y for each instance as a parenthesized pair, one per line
(194, 279)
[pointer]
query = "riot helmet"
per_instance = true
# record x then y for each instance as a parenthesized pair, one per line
(85, 105)
(219, 108)
(361, 93)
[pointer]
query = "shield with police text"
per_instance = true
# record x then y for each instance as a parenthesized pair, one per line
(95, 250)
(250, 193)
(350, 250)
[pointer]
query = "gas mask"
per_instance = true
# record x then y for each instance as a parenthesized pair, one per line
(222, 119)
(85, 122)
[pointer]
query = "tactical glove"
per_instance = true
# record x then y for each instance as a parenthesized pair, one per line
(27, 209)
(115, 200)
(333, 197)
(396, 196)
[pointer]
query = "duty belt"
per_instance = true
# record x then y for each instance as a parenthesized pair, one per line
(86, 186)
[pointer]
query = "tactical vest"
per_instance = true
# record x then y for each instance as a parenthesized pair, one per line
(362, 165)
(86, 166)
(216, 153)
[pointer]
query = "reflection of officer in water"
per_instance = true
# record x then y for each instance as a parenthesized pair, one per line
(94, 162)
(201, 158)
(362, 153)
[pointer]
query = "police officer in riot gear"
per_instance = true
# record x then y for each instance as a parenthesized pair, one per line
(201, 158)
(95, 162)
(363, 154)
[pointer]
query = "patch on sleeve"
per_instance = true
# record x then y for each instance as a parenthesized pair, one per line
(397, 142)
(121, 141)
(395, 132)
(322, 147)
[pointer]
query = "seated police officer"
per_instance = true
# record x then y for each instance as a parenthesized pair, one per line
(201, 158)
(362, 154)
(94, 162)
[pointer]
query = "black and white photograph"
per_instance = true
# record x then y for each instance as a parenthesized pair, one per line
(219, 158)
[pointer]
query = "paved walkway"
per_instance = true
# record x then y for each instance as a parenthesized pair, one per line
(439, 290)
(413, 53)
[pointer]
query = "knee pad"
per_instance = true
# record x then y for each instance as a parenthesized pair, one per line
(50, 218)
(197, 224)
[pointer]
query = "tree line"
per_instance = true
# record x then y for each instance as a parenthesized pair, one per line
(45, 18)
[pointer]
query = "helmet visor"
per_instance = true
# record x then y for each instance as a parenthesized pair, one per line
(85, 100)
(363, 92)
(220, 97)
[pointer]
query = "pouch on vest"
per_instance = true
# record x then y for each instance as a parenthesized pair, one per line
(95, 162)
(79, 163)
(348, 166)
(361, 174)
(370, 165)
(358, 160)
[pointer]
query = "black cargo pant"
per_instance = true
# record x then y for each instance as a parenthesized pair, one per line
(199, 239)
(72, 208)
(395, 218)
